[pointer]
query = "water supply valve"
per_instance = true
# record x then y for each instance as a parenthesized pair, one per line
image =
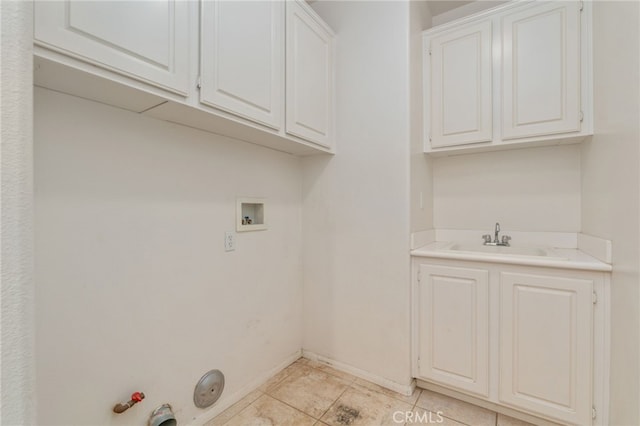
(122, 407)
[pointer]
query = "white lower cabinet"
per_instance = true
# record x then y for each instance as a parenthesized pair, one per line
(546, 327)
(454, 327)
(520, 337)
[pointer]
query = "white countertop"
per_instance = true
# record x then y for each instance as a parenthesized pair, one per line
(564, 258)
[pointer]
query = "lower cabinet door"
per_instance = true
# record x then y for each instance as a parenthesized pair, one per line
(546, 326)
(454, 327)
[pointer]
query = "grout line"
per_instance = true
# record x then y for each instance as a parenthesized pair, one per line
(238, 413)
(415, 404)
(295, 408)
(334, 402)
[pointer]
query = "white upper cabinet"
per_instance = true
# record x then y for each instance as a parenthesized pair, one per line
(145, 40)
(541, 70)
(215, 65)
(458, 70)
(518, 73)
(242, 59)
(309, 70)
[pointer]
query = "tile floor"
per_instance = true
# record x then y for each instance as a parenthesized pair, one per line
(310, 393)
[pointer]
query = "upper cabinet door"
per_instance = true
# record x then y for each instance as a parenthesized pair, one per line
(144, 40)
(309, 87)
(458, 85)
(242, 59)
(541, 70)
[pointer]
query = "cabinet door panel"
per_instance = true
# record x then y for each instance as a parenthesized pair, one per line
(242, 59)
(541, 70)
(546, 345)
(147, 41)
(309, 65)
(460, 102)
(454, 327)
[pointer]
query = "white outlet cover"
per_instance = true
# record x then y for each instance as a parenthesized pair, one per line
(229, 241)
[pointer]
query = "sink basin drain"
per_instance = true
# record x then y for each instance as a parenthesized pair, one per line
(208, 389)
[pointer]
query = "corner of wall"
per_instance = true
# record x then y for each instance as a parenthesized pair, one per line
(16, 199)
(421, 168)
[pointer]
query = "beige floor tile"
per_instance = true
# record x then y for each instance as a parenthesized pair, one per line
(425, 417)
(362, 407)
(456, 410)
(227, 414)
(270, 384)
(510, 421)
(310, 390)
(361, 383)
(267, 411)
(330, 370)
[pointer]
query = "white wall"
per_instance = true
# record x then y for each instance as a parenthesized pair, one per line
(356, 204)
(421, 165)
(611, 191)
(134, 289)
(534, 189)
(17, 387)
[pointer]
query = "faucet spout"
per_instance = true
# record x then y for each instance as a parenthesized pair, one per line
(496, 241)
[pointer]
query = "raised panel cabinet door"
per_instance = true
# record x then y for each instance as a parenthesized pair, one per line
(546, 326)
(242, 59)
(309, 83)
(454, 327)
(458, 85)
(144, 40)
(541, 70)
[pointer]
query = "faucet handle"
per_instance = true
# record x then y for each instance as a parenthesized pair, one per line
(506, 239)
(486, 238)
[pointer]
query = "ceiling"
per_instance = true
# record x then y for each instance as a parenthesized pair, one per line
(440, 6)
(437, 7)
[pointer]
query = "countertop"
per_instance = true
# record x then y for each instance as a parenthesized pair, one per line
(563, 258)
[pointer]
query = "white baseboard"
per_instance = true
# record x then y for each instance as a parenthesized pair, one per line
(373, 378)
(228, 400)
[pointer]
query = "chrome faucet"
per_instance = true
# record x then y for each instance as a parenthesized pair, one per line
(496, 241)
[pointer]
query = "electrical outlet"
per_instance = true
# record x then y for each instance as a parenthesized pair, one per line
(229, 241)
